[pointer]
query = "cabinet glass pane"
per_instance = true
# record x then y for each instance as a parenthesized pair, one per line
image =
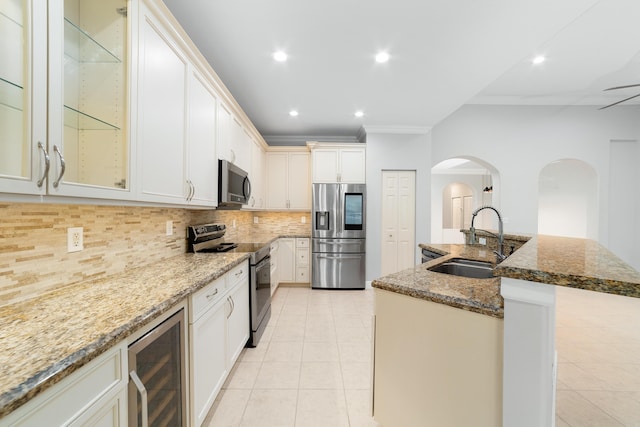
(14, 147)
(95, 92)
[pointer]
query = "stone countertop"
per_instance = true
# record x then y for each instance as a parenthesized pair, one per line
(46, 338)
(572, 262)
(561, 261)
(476, 295)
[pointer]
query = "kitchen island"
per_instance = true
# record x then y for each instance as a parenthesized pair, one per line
(444, 362)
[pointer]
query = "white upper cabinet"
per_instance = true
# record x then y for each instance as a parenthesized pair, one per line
(64, 107)
(338, 163)
(257, 176)
(288, 185)
(202, 164)
(23, 79)
(161, 113)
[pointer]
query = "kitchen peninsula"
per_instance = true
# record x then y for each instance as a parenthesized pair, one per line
(445, 342)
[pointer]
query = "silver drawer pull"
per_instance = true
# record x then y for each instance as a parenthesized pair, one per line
(239, 273)
(215, 292)
(63, 166)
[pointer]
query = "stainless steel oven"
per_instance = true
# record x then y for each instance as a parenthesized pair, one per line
(209, 238)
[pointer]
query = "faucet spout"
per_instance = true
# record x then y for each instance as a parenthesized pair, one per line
(472, 240)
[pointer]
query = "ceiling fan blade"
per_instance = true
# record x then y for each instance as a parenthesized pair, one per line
(623, 87)
(619, 102)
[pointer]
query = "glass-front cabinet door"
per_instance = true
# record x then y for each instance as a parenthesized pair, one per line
(23, 73)
(88, 98)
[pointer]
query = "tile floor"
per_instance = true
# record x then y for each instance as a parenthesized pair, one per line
(598, 344)
(312, 366)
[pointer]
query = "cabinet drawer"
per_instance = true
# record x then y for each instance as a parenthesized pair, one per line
(238, 274)
(302, 243)
(206, 297)
(302, 275)
(78, 395)
(302, 257)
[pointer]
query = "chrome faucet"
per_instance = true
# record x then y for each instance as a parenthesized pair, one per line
(472, 240)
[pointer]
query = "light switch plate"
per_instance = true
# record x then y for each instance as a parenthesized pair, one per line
(255, 220)
(303, 219)
(482, 240)
(169, 228)
(75, 239)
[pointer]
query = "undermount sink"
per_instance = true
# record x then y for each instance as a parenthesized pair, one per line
(465, 268)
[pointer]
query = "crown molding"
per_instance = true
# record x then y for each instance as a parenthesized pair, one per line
(407, 130)
(293, 140)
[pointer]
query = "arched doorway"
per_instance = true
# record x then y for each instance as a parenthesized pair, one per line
(459, 186)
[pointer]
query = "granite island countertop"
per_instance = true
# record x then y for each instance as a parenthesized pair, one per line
(48, 337)
(477, 295)
(561, 261)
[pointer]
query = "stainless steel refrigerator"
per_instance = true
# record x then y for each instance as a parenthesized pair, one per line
(338, 236)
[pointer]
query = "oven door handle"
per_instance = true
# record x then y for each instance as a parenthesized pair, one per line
(143, 397)
(265, 261)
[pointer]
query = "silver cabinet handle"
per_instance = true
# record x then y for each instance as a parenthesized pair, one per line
(192, 190)
(63, 166)
(47, 164)
(143, 397)
(230, 301)
(239, 273)
(215, 292)
(233, 304)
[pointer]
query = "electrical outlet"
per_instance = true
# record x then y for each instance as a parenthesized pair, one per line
(233, 223)
(303, 219)
(169, 228)
(255, 219)
(482, 240)
(75, 241)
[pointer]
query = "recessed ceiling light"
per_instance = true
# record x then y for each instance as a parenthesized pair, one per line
(280, 56)
(293, 113)
(382, 57)
(538, 59)
(358, 114)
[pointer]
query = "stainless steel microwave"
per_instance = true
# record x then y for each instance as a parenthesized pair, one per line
(234, 187)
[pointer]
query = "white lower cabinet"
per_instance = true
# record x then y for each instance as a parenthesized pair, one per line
(238, 318)
(218, 330)
(293, 260)
(275, 279)
(96, 394)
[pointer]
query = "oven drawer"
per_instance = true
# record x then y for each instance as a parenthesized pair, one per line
(207, 297)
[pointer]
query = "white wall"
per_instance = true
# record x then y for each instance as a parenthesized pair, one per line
(391, 151)
(520, 140)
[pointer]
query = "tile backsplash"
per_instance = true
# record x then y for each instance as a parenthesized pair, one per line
(33, 240)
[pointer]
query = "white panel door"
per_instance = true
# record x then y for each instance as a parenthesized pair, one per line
(277, 194)
(398, 221)
(406, 219)
(299, 185)
(389, 222)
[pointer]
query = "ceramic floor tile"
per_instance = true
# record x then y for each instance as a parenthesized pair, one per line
(355, 352)
(320, 352)
(624, 406)
(352, 334)
(321, 375)
(255, 354)
(278, 375)
(243, 375)
(228, 409)
(321, 408)
(359, 407)
(577, 411)
(271, 408)
(575, 377)
(289, 331)
(356, 376)
(284, 351)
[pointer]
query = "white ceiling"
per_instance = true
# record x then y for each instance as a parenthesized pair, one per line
(443, 54)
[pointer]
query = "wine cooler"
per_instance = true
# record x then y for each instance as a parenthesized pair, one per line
(157, 376)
